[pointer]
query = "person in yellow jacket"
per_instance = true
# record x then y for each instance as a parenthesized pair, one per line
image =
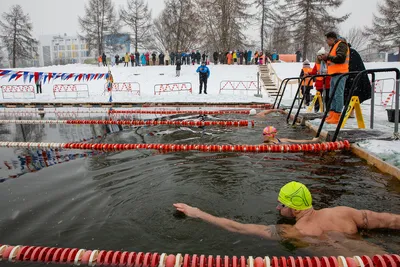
(126, 59)
(234, 56)
(306, 85)
(338, 61)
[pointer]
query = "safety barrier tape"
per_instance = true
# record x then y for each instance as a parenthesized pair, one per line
(175, 112)
(75, 256)
(290, 148)
(241, 123)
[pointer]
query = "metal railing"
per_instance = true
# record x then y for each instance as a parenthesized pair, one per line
(284, 83)
(355, 83)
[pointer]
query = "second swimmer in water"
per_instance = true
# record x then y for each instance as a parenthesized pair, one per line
(269, 137)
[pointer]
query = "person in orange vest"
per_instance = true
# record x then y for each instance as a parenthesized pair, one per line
(100, 60)
(322, 84)
(229, 58)
(256, 58)
(306, 85)
(338, 61)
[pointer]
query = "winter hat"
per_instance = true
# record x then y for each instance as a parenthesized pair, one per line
(321, 52)
(306, 63)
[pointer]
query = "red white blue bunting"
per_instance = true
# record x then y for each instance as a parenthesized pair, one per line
(27, 76)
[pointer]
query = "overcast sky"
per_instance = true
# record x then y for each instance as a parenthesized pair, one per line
(59, 16)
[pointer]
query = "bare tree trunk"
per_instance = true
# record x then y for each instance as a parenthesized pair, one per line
(14, 56)
(178, 31)
(262, 25)
(398, 56)
(306, 32)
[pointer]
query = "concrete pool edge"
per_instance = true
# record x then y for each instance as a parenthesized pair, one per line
(364, 154)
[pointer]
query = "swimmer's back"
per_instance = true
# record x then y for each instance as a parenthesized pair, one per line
(338, 219)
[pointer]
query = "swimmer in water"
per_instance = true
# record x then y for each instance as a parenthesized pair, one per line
(269, 137)
(295, 201)
(269, 111)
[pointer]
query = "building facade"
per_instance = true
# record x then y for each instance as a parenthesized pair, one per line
(62, 49)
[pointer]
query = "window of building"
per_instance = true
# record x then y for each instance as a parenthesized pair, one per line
(83, 46)
(62, 47)
(55, 48)
(68, 47)
(68, 54)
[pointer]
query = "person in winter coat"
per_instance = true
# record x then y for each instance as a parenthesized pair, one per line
(161, 58)
(306, 85)
(188, 58)
(322, 84)
(222, 58)
(363, 88)
(99, 60)
(117, 59)
(137, 58)
(229, 58)
(167, 58)
(127, 58)
(215, 57)
(154, 58)
(234, 56)
(193, 55)
(147, 55)
(204, 74)
(132, 60)
(104, 59)
(241, 57)
(249, 54)
(245, 56)
(38, 86)
(183, 58)
(178, 67)
(198, 57)
(256, 58)
(143, 59)
(172, 56)
(203, 57)
(261, 58)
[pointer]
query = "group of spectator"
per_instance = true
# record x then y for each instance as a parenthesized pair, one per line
(341, 59)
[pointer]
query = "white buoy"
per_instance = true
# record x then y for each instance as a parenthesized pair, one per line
(253, 112)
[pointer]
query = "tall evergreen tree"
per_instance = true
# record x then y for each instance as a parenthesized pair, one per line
(138, 17)
(266, 16)
(385, 30)
(178, 27)
(310, 19)
(100, 19)
(16, 35)
(226, 22)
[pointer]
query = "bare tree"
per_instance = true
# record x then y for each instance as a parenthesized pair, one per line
(100, 19)
(266, 16)
(309, 20)
(225, 21)
(356, 38)
(280, 39)
(178, 26)
(138, 17)
(385, 30)
(16, 35)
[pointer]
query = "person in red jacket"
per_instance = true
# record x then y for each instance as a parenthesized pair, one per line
(322, 84)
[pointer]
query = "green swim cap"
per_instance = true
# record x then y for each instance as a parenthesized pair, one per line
(295, 195)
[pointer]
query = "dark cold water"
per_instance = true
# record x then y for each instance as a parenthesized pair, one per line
(123, 200)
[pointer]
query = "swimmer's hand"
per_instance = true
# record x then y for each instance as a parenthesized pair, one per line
(188, 210)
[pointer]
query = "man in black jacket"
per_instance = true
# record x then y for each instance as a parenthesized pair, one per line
(215, 57)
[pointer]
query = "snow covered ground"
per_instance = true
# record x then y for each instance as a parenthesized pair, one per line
(388, 151)
(149, 76)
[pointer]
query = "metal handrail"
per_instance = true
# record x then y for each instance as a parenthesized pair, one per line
(356, 81)
(328, 106)
(284, 81)
(311, 78)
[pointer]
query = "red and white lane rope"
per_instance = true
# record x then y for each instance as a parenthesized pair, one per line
(75, 256)
(292, 148)
(241, 123)
(176, 112)
(205, 105)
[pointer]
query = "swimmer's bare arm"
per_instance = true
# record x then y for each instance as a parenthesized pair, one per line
(295, 141)
(269, 111)
(269, 232)
(367, 219)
